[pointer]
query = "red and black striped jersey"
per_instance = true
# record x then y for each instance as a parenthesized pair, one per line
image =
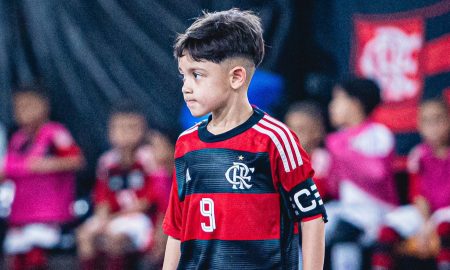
(226, 205)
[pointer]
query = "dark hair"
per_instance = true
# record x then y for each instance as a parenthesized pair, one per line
(220, 35)
(127, 107)
(308, 107)
(440, 101)
(33, 90)
(365, 90)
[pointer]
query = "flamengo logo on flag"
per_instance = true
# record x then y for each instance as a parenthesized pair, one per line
(390, 57)
(237, 175)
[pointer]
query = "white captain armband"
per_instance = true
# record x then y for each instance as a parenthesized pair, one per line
(303, 201)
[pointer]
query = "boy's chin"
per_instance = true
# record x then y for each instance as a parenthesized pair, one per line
(198, 114)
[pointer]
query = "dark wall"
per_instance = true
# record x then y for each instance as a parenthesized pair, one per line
(90, 54)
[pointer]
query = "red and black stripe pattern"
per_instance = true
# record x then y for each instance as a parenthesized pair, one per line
(226, 206)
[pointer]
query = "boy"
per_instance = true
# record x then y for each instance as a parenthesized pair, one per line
(429, 167)
(128, 202)
(41, 160)
(242, 180)
(361, 154)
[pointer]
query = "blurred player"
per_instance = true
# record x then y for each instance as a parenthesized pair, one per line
(41, 160)
(429, 168)
(306, 119)
(161, 149)
(361, 154)
(242, 182)
(3, 143)
(128, 203)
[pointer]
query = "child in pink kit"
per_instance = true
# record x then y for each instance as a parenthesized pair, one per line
(429, 169)
(361, 154)
(41, 160)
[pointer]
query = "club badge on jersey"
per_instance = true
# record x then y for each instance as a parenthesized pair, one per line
(304, 201)
(238, 175)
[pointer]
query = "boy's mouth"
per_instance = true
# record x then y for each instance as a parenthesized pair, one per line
(189, 101)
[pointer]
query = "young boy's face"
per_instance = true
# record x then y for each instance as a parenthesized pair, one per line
(126, 130)
(205, 85)
(30, 110)
(307, 128)
(341, 108)
(434, 123)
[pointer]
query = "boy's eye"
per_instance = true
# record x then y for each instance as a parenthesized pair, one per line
(181, 76)
(196, 75)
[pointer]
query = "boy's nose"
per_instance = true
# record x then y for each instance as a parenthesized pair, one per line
(186, 89)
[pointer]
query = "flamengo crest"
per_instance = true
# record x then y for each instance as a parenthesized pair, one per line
(238, 175)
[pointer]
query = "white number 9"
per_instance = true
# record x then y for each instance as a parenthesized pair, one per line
(207, 210)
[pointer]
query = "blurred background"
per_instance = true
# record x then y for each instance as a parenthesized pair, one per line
(88, 55)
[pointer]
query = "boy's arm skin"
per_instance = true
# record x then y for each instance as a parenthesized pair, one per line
(313, 244)
(172, 256)
(56, 164)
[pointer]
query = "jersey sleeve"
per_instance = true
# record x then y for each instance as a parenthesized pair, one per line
(15, 162)
(161, 190)
(64, 143)
(173, 218)
(413, 168)
(294, 175)
(101, 192)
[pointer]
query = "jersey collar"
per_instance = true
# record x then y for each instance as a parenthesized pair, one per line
(207, 136)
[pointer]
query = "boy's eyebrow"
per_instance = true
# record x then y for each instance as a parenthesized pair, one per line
(192, 69)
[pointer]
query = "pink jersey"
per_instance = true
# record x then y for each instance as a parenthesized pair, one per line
(40, 197)
(363, 155)
(432, 175)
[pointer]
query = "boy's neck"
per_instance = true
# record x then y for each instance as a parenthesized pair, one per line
(230, 117)
(33, 129)
(355, 120)
(440, 150)
(127, 157)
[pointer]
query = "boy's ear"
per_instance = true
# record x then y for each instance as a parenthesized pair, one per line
(238, 77)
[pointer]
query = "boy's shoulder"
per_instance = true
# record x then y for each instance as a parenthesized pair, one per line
(53, 127)
(111, 157)
(187, 138)
(374, 139)
(415, 156)
(190, 131)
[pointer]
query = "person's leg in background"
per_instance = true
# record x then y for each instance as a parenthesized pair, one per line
(346, 250)
(89, 240)
(400, 224)
(383, 257)
(443, 259)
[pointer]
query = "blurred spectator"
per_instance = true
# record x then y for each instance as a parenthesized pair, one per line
(162, 153)
(3, 143)
(306, 119)
(429, 215)
(41, 160)
(129, 202)
(361, 154)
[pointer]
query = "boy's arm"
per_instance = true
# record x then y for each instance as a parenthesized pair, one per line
(172, 256)
(56, 164)
(65, 155)
(313, 244)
